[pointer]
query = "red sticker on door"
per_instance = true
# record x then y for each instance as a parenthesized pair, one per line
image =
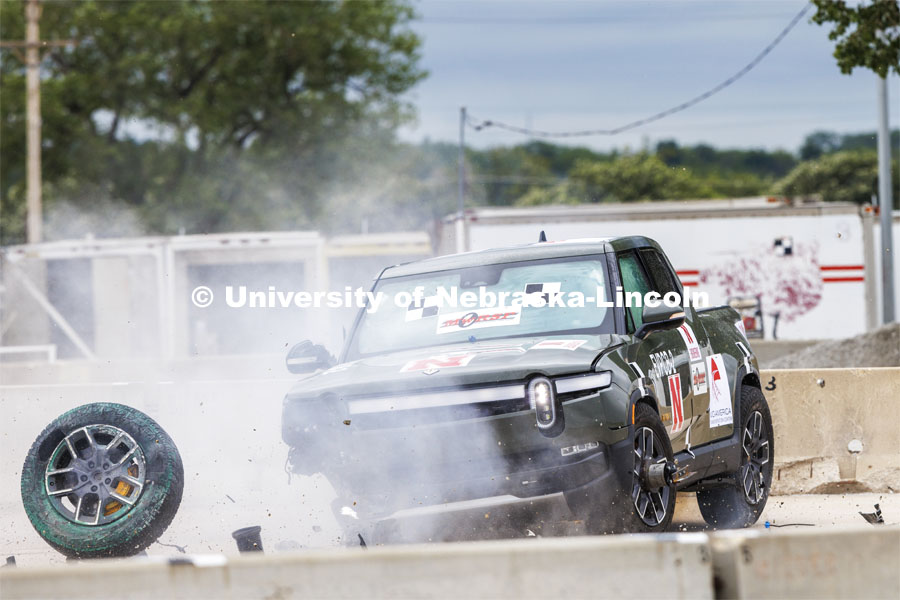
(676, 401)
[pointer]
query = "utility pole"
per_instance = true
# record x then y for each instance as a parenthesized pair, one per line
(33, 119)
(32, 60)
(885, 204)
(461, 188)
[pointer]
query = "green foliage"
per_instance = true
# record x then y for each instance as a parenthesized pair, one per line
(828, 142)
(566, 192)
(840, 177)
(218, 116)
(867, 35)
(637, 177)
(207, 115)
(704, 159)
(629, 178)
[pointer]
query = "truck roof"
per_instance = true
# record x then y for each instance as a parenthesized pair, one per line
(535, 251)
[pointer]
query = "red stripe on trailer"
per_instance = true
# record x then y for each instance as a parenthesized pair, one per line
(841, 268)
(841, 279)
(687, 272)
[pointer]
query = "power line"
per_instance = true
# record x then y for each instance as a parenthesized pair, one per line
(478, 125)
(586, 20)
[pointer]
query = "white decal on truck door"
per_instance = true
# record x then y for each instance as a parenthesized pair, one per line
(690, 340)
(719, 392)
(698, 378)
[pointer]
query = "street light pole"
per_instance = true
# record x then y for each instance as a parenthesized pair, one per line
(885, 204)
(461, 187)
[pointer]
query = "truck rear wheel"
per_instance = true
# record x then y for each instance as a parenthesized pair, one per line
(741, 502)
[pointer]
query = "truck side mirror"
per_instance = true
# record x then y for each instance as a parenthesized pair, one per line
(657, 318)
(307, 357)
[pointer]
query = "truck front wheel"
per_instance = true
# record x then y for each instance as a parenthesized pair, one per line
(102, 480)
(647, 503)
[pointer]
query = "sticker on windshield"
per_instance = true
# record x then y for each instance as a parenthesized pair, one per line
(558, 345)
(719, 392)
(477, 319)
(539, 294)
(690, 340)
(422, 308)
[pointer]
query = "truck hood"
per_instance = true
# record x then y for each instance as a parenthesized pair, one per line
(464, 364)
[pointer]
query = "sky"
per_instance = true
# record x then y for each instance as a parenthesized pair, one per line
(564, 65)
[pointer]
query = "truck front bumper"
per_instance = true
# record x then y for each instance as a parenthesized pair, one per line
(589, 494)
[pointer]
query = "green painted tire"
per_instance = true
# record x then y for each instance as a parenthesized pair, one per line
(150, 500)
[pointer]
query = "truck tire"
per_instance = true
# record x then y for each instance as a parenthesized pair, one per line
(641, 508)
(740, 503)
(650, 510)
(102, 480)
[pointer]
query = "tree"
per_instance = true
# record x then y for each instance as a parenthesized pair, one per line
(867, 35)
(828, 142)
(629, 178)
(839, 177)
(637, 177)
(208, 115)
(818, 143)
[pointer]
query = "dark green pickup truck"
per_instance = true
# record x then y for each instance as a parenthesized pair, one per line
(532, 407)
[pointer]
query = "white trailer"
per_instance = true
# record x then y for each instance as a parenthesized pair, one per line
(813, 265)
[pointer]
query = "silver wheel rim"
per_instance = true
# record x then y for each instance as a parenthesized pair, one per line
(755, 443)
(95, 475)
(650, 504)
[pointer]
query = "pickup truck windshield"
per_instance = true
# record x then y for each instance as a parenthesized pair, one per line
(509, 298)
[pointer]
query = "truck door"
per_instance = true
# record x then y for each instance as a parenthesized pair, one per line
(662, 355)
(696, 344)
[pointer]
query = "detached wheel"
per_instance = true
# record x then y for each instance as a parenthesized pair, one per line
(102, 480)
(652, 501)
(741, 503)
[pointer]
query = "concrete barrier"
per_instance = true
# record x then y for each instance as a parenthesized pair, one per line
(808, 564)
(667, 566)
(857, 563)
(836, 430)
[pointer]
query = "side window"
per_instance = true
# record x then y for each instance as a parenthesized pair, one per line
(633, 280)
(664, 280)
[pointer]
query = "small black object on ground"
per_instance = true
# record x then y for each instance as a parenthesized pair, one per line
(248, 539)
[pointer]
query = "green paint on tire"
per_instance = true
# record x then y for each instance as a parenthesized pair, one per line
(144, 523)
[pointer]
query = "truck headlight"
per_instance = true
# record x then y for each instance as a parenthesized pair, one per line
(547, 408)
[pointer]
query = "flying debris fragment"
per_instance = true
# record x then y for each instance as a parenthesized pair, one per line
(874, 518)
